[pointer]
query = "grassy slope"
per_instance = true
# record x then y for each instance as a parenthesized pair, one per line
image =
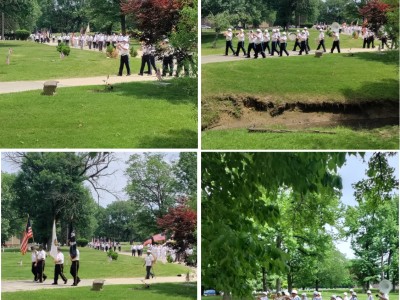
(32, 61)
(382, 138)
(165, 291)
(93, 264)
(135, 115)
(207, 39)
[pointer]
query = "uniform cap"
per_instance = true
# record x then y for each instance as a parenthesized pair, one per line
(304, 294)
(333, 296)
(294, 292)
(266, 30)
(258, 30)
(303, 31)
(277, 29)
(315, 293)
(148, 251)
(321, 30)
(166, 40)
(298, 30)
(354, 293)
(125, 39)
(368, 292)
(351, 290)
(284, 33)
(305, 27)
(273, 30)
(345, 293)
(229, 29)
(241, 30)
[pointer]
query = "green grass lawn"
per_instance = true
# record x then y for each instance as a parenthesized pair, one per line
(382, 138)
(33, 61)
(134, 115)
(208, 36)
(93, 264)
(165, 291)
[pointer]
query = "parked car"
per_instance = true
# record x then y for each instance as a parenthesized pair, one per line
(209, 293)
(205, 27)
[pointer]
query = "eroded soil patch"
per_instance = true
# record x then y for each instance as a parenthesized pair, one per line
(252, 112)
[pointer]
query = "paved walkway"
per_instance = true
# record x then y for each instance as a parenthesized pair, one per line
(29, 285)
(207, 59)
(21, 86)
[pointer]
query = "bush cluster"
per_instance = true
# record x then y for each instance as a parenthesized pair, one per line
(22, 34)
(63, 48)
(112, 254)
(82, 242)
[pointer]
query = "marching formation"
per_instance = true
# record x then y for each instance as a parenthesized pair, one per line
(317, 296)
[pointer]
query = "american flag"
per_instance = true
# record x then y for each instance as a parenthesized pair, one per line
(27, 235)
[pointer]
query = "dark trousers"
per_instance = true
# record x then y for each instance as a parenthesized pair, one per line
(168, 66)
(259, 49)
(90, 45)
(308, 45)
(384, 42)
(145, 60)
(152, 61)
(133, 252)
(249, 48)
(40, 270)
(228, 46)
(124, 61)
(74, 271)
(274, 48)
(34, 271)
(365, 41)
(335, 45)
(266, 46)
(321, 44)
(100, 46)
(148, 272)
(59, 270)
(303, 47)
(283, 49)
(296, 44)
(240, 46)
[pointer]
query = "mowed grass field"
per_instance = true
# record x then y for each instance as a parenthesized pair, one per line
(33, 61)
(334, 78)
(208, 36)
(134, 115)
(93, 264)
(165, 291)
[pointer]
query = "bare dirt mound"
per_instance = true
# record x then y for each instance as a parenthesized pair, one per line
(253, 112)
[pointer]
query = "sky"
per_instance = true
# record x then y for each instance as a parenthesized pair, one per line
(353, 171)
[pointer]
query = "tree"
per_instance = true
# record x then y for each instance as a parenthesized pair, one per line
(219, 21)
(20, 14)
(186, 173)
(107, 15)
(392, 24)
(180, 222)
(374, 13)
(236, 208)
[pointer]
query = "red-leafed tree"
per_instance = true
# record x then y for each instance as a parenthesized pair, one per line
(375, 14)
(180, 221)
(155, 18)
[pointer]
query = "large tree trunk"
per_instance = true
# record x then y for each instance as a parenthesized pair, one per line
(123, 23)
(316, 284)
(290, 282)
(264, 279)
(227, 296)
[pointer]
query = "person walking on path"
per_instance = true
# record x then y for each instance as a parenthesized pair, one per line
(336, 42)
(40, 264)
(34, 260)
(148, 262)
(59, 267)
(75, 268)
(123, 49)
(228, 36)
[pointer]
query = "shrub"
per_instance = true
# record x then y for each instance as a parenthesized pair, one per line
(112, 254)
(111, 51)
(169, 259)
(63, 48)
(133, 52)
(22, 34)
(82, 242)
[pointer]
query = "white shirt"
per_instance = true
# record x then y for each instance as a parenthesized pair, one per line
(336, 36)
(228, 35)
(123, 49)
(149, 260)
(77, 255)
(259, 38)
(283, 39)
(267, 37)
(41, 255)
(240, 37)
(321, 36)
(60, 258)
(33, 256)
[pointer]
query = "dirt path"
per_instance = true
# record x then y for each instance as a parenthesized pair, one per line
(207, 59)
(29, 285)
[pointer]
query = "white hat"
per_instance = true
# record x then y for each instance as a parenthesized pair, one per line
(345, 293)
(241, 30)
(229, 29)
(148, 251)
(304, 294)
(351, 290)
(258, 30)
(333, 296)
(277, 29)
(273, 30)
(305, 27)
(354, 293)
(368, 292)
(315, 293)
(321, 29)
(298, 30)
(266, 30)
(166, 40)
(294, 292)
(303, 31)
(284, 33)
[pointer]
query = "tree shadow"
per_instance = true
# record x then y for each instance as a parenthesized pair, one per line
(386, 57)
(184, 290)
(183, 138)
(175, 91)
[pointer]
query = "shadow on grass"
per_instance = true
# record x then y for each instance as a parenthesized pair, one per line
(386, 57)
(176, 91)
(174, 139)
(384, 90)
(170, 290)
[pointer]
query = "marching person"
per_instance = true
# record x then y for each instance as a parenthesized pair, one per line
(148, 262)
(228, 44)
(382, 296)
(321, 39)
(133, 247)
(336, 42)
(75, 268)
(345, 296)
(283, 43)
(297, 41)
(307, 38)
(369, 296)
(371, 39)
(145, 58)
(365, 37)
(59, 267)
(34, 267)
(274, 42)
(258, 44)
(295, 295)
(384, 39)
(267, 38)
(250, 47)
(152, 59)
(40, 264)
(168, 66)
(353, 296)
(240, 45)
(123, 49)
(303, 45)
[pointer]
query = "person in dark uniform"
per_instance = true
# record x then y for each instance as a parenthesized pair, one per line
(251, 43)
(34, 260)
(75, 268)
(258, 44)
(297, 41)
(168, 65)
(152, 59)
(307, 39)
(274, 42)
(240, 46)
(384, 39)
(145, 58)
(41, 259)
(365, 37)
(303, 43)
(321, 39)
(228, 45)
(123, 49)
(59, 267)
(336, 42)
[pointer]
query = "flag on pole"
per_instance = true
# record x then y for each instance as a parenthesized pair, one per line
(72, 242)
(87, 29)
(54, 242)
(27, 235)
